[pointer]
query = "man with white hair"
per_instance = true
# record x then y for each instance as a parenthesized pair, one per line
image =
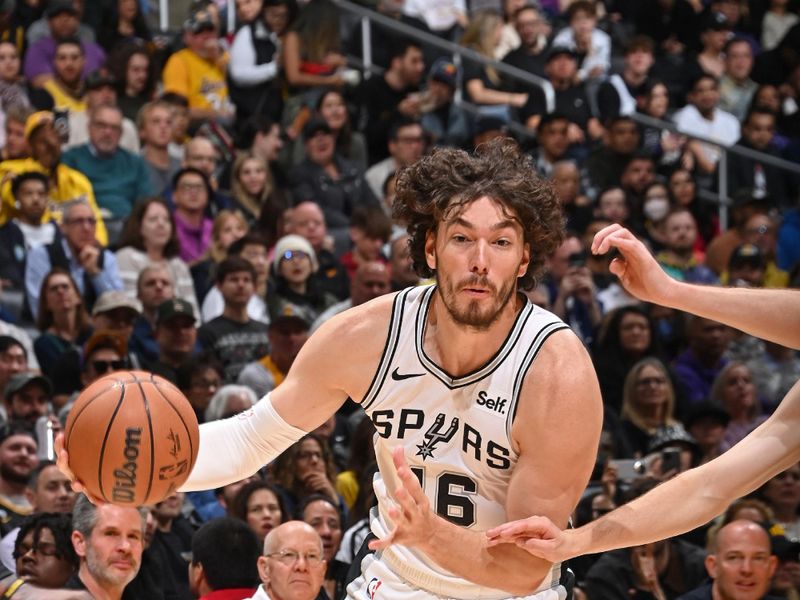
(293, 565)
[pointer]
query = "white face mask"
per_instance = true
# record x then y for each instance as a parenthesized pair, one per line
(656, 209)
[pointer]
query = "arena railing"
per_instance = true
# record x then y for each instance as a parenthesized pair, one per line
(722, 197)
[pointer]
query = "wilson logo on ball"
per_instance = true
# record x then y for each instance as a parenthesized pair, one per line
(125, 476)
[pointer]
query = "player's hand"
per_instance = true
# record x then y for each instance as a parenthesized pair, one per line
(62, 462)
(538, 535)
(636, 268)
(412, 517)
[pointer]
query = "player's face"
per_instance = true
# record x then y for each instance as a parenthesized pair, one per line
(325, 520)
(53, 491)
(113, 551)
(478, 254)
(263, 512)
(38, 564)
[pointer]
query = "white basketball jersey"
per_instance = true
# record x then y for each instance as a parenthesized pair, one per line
(456, 431)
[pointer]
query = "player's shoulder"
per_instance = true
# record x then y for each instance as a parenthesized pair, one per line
(359, 324)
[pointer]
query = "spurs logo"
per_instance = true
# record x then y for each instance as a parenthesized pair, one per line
(434, 435)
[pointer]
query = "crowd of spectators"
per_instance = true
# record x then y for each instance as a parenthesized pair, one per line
(197, 204)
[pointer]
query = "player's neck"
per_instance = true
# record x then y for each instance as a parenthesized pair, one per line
(459, 349)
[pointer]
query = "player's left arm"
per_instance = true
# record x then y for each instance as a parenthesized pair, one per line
(557, 430)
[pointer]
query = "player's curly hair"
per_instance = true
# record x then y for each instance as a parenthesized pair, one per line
(440, 186)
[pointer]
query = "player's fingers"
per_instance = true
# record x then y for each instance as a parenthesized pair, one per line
(601, 235)
(541, 548)
(411, 485)
(508, 532)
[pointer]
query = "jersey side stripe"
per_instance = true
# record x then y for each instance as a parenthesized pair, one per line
(530, 356)
(389, 348)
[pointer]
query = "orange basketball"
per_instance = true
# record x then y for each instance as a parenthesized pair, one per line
(132, 438)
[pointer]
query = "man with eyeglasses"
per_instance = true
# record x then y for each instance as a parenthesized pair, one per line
(119, 177)
(224, 556)
(93, 267)
(191, 194)
(293, 565)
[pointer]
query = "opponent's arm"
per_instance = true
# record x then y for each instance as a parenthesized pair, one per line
(557, 424)
(332, 365)
(679, 505)
(768, 314)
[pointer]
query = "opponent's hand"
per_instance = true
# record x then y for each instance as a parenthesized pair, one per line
(538, 535)
(636, 268)
(413, 518)
(62, 462)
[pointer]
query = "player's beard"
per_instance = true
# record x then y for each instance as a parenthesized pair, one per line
(473, 315)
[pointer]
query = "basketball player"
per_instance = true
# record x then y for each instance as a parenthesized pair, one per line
(464, 378)
(698, 495)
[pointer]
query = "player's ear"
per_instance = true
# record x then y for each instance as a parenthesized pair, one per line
(430, 250)
(526, 259)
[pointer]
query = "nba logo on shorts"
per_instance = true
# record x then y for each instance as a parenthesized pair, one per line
(372, 587)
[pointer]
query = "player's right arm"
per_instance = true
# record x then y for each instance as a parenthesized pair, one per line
(681, 504)
(769, 314)
(336, 362)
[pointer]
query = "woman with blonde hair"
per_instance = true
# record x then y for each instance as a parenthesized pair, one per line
(482, 82)
(735, 392)
(251, 185)
(648, 403)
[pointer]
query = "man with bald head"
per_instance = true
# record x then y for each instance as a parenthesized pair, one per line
(293, 565)
(306, 219)
(741, 564)
(371, 279)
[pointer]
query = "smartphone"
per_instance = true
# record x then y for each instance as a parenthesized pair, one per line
(629, 469)
(61, 124)
(577, 259)
(670, 460)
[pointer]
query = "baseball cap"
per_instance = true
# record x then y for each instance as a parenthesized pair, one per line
(289, 320)
(444, 71)
(176, 307)
(316, 124)
(105, 339)
(782, 546)
(669, 436)
(747, 254)
(115, 299)
(37, 119)
(558, 51)
(99, 78)
(293, 243)
(706, 410)
(58, 7)
(199, 21)
(716, 21)
(20, 380)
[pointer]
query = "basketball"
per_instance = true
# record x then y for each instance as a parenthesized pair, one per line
(132, 438)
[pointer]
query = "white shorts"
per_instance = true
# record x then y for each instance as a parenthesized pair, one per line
(378, 582)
